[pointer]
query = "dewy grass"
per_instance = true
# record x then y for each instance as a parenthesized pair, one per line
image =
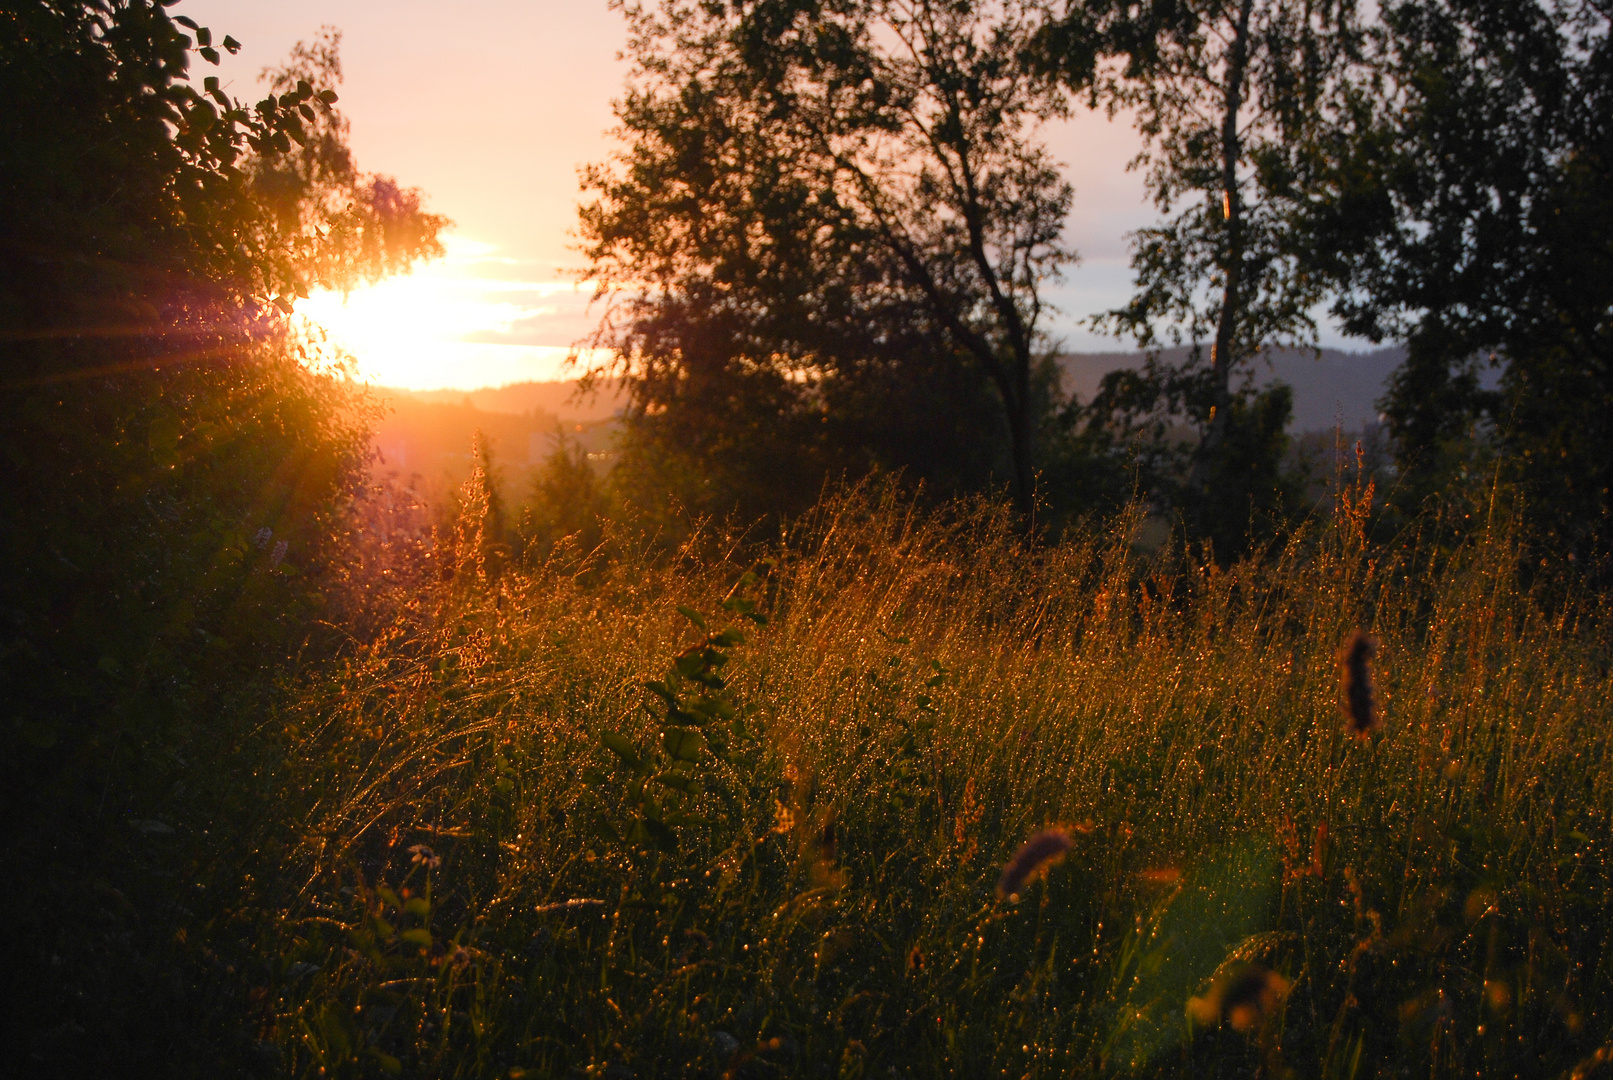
(548, 825)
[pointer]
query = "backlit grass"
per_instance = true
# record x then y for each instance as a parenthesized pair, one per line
(491, 851)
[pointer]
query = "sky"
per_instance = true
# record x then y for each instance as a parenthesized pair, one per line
(490, 107)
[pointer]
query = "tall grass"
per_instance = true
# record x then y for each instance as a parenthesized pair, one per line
(489, 850)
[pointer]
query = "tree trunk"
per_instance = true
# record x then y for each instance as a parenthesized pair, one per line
(1222, 356)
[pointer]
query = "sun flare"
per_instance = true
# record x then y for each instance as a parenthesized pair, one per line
(448, 325)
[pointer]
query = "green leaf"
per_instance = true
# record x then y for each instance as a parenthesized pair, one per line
(693, 616)
(389, 1064)
(304, 90)
(210, 55)
(621, 747)
(693, 662)
(662, 691)
(688, 719)
(728, 639)
(679, 782)
(328, 97)
(418, 906)
(210, 84)
(421, 938)
(606, 831)
(231, 45)
(684, 744)
(390, 897)
(204, 36)
(187, 22)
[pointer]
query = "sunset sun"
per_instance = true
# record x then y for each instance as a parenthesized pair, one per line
(449, 324)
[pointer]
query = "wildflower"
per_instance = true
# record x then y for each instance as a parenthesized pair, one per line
(1242, 995)
(1033, 859)
(1360, 705)
(421, 855)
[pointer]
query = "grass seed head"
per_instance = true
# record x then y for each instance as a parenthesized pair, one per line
(1361, 717)
(1241, 995)
(1033, 859)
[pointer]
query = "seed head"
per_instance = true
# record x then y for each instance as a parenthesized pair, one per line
(1242, 995)
(1361, 717)
(1033, 859)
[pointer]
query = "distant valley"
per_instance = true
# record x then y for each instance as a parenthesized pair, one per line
(425, 437)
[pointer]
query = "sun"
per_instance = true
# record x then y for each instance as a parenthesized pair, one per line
(446, 325)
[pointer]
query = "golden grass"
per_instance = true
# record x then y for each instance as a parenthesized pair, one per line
(809, 889)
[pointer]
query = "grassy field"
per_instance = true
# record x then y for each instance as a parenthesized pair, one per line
(549, 824)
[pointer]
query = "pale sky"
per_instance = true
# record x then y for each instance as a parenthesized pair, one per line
(490, 107)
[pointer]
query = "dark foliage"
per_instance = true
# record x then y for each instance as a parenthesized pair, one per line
(1472, 195)
(170, 484)
(829, 229)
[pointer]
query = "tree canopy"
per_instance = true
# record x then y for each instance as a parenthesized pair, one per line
(1469, 209)
(176, 450)
(830, 227)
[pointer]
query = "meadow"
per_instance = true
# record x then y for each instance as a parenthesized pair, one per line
(744, 809)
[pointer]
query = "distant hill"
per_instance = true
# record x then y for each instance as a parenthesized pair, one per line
(558, 399)
(424, 438)
(1341, 387)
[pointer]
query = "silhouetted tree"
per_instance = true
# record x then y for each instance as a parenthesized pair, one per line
(1471, 213)
(1229, 97)
(175, 460)
(828, 235)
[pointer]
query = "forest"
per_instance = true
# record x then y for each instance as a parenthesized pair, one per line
(880, 702)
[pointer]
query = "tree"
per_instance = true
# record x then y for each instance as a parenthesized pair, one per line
(1229, 97)
(826, 239)
(175, 463)
(1469, 212)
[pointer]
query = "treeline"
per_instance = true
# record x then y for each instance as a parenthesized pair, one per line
(829, 236)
